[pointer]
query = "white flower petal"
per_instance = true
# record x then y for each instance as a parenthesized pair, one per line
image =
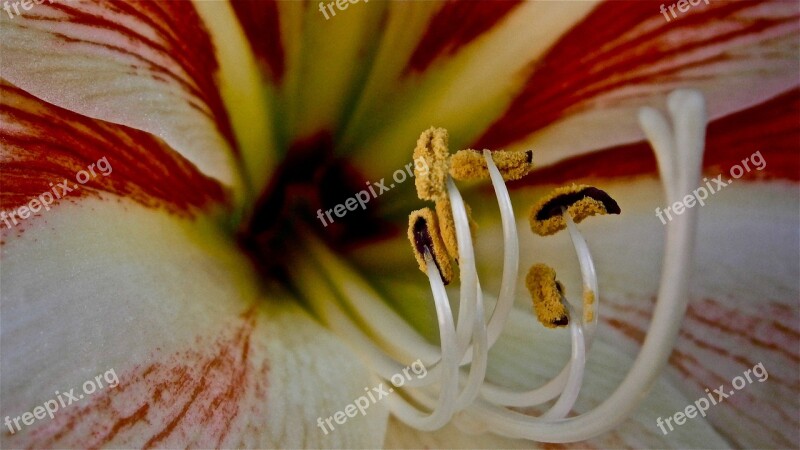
(744, 294)
(202, 358)
(140, 66)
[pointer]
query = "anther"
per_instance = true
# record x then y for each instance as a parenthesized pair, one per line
(580, 202)
(432, 149)
(423, 232)
(471, 165)
(547, 293)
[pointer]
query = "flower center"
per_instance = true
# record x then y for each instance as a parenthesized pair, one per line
(464, 395)
(311, 178)
(456, 387)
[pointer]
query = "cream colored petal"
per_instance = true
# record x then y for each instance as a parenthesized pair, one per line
(168, 308)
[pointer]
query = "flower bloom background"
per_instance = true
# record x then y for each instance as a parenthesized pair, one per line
(199, 269)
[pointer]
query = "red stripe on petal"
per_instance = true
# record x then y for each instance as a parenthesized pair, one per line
(44, 145)
(772, 128)
(165, 39)
(634, 52)
(718, 342)
(765, 332)
(196, 398)
(261, 24)
(723, 330)
(455, 25)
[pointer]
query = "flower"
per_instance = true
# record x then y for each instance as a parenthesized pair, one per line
(193, 267)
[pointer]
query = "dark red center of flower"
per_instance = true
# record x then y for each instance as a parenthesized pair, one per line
(311, 180)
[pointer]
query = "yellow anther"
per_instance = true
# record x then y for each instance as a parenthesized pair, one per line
(447, 225)
(432, 149)
(471, 165)
(546, 292)
(580, 201)
(423, 232)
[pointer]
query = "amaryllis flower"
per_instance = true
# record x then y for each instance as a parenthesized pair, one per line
(188, 259)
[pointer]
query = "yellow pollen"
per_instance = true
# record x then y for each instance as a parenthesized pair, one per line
(432, 149)
(580, 201)
(588, 305)
(546, 292)
(447, 225)
(471, 165)
(423, 232)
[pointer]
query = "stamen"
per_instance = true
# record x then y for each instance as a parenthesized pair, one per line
(589, 276)
(680, 172)
(447, 226)
(479, 364)
(471, 165)
(431, 403)
(432, 149)
(580, 201)
(466, 258)
(546, 292)
(508, 284)
(423, 233)
(577, 363)
(445, 406)
(564, 381)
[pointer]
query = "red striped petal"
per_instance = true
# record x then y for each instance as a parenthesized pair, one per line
(636, 54)
(201, 358)
(148, 65)
(44, 146)
(771, 128)
(170, 399)
(742, 311)
(454, 26)
(717, 337)
(173, 44)
(261, 24)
